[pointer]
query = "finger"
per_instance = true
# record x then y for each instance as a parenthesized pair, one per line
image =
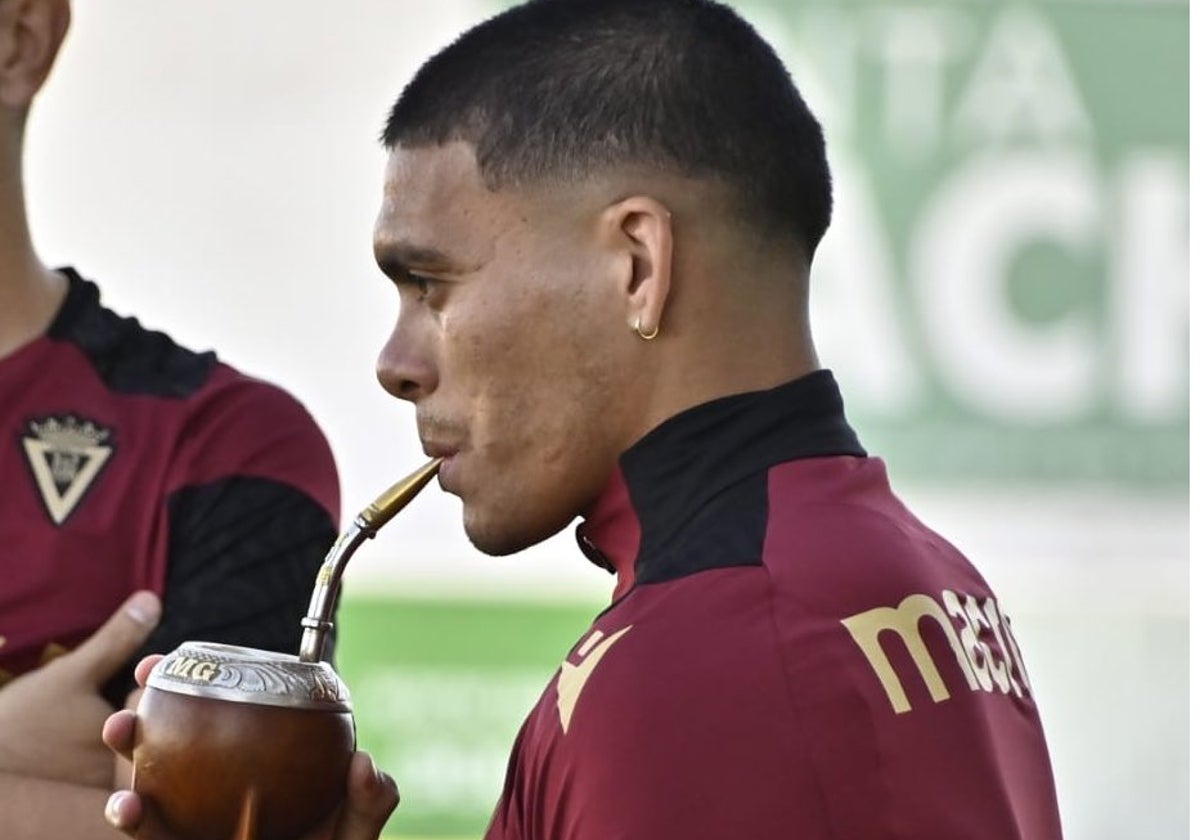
(371, 796)
(118, 639)
(119, 731)
(122, 772)
(141, 673)
(123, 811)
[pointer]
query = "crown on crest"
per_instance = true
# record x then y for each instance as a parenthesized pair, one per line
(69, 432)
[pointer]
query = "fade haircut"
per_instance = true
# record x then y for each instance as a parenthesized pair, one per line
(563, 89)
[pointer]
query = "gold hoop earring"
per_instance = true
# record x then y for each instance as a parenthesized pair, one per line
(637, 328)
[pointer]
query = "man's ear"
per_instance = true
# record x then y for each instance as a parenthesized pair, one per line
(31, 31)
(642, 226)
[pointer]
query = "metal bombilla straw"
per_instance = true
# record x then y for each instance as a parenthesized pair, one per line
(374, 516)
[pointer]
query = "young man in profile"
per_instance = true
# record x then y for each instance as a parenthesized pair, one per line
(600, 217)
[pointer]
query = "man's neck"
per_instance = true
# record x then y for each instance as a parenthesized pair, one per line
(726, 339)
(30, 296)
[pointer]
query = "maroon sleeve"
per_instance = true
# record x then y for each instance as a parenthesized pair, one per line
(243, 426)
(675, 733)
(916, 707)
(251, 512)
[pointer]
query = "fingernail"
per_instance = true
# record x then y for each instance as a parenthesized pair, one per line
(376, 777)
(112, 809)
(144, 608)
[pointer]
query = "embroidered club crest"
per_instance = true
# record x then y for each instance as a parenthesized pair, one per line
(65, 454)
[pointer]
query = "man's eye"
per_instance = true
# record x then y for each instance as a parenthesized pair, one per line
(422, 285)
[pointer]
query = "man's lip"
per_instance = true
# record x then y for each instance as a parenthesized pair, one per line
(438, 450)
(447, 470)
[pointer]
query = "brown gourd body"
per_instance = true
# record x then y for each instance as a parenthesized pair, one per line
(219, 769)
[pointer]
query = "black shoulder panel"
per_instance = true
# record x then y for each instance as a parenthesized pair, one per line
(242, 561)
(699, 481)
(128, 358)
(727, 530)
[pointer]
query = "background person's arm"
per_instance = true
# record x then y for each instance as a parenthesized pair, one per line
(41, 809)
(55, 773)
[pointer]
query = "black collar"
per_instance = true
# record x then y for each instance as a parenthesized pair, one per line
(669, 479)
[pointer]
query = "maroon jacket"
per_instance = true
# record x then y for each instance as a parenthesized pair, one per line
(790, 654)
(129, 462)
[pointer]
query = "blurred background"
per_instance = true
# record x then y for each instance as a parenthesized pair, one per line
(1003, 294)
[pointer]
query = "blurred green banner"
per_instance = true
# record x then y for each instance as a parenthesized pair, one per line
(1004, 290)
(439, 691)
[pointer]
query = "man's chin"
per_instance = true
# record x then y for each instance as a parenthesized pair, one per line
(496, 542)
(495, 549)
(503, 540)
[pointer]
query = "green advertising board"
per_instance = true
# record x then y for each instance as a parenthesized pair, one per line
(1004, 288)
(440, 689)
(1003, 292)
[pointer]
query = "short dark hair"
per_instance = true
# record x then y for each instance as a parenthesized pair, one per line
(565, 88)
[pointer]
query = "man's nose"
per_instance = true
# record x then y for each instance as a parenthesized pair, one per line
(405, 367)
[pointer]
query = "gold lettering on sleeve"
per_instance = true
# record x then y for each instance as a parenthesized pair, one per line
(983, 645)
(904, 621)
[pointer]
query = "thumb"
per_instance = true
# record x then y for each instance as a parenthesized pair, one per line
(371, 798)
(111, 646)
